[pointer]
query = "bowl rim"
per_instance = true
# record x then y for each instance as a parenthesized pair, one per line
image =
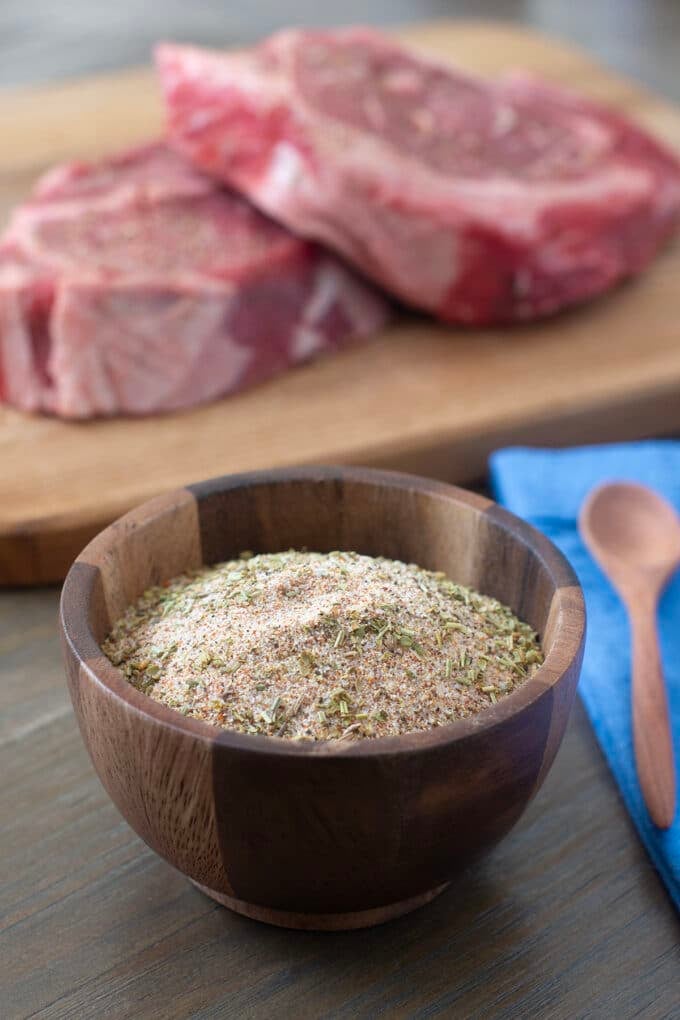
(566, 651)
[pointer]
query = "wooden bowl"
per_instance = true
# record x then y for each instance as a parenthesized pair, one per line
(322, 835)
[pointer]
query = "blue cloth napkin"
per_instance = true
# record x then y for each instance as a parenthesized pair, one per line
(547, 488)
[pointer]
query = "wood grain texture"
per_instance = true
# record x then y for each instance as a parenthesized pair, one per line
(420, 397)
(322, 834)
(565, 918)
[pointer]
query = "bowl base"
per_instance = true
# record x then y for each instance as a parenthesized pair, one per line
(323, 922)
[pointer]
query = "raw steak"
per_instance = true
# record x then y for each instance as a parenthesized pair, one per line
(140, 285)
(479, 201)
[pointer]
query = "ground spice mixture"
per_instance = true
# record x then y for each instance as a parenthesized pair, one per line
(321, 646)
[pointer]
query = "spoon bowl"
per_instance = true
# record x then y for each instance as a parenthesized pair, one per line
(634, 525)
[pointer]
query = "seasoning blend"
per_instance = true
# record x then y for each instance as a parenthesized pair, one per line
(322, 646)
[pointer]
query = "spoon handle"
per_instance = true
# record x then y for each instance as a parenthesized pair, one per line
(651, 728)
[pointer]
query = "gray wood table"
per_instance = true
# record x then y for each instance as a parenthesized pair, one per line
(565, 919)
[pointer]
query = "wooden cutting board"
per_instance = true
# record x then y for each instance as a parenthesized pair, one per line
(422, 397)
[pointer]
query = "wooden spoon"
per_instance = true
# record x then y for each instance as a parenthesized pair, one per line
(634, 535)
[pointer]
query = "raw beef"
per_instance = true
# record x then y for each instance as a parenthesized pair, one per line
(478, 201)
(140, 285)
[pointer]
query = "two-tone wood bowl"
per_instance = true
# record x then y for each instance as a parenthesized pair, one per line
(321, 834)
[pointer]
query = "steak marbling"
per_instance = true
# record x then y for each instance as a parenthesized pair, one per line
(478, 201)
(139, 285)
